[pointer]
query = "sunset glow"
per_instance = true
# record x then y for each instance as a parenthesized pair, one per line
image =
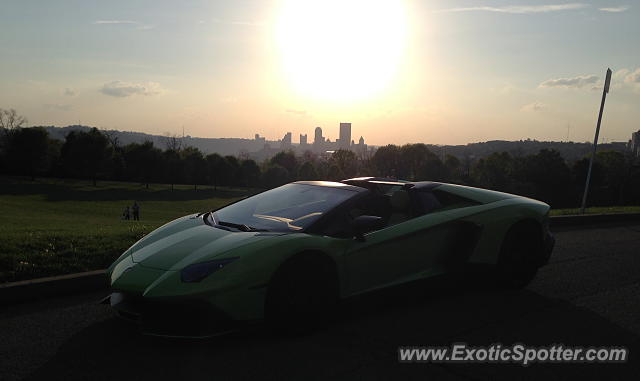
(340, 50)
(437, 71)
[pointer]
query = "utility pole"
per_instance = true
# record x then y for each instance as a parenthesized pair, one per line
(607, 82)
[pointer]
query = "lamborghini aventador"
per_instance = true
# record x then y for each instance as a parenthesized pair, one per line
(289, 254)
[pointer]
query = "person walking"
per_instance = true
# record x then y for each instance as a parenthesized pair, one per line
(136, 211)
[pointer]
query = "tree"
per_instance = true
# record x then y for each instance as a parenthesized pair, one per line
(275, 175)
(335, 173)
(307, 171)
(453, 166)
(173, 143)
(233, 170)
(610, 175)
(617, 171)
(116, 165)
(549, 175)
(84, 153)
(174, 167)
(10, 120)
(143, 162)
(494, 171)
(386, 160)
(412, 159)
(287, 160)
(27, 150)
(346, 161)
(195, 166)
(217, 169)
(250, 173)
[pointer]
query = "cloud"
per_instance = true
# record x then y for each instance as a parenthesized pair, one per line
(69, 92)
(124, 89)
(239, 22)
(138, 25)
(297, 112)
(621, 79)
(575, 82)
(534, 107)
(57, 107)
(228, 100)
(520, 9)
(619, 9)
(632, 76)
(114, 22)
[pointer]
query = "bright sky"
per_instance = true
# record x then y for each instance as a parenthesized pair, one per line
(433, 71)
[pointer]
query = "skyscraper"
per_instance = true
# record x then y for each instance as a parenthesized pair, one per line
(345, 136)
(286, 141)
(634, 144)
(318, 136)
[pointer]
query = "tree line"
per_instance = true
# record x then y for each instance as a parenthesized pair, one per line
(97, 155)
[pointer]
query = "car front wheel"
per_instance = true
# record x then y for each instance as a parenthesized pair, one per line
(302, 294)
(520, 255)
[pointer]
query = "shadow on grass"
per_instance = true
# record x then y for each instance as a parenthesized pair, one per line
(61, 190)
(361, 344)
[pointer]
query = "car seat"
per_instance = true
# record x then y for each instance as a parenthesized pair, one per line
(400, 203)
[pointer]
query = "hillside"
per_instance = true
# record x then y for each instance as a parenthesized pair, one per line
(234, 146)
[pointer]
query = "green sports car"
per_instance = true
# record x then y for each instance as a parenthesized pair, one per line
(289, 254)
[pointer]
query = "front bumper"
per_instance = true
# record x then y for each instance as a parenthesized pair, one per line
(171, 317)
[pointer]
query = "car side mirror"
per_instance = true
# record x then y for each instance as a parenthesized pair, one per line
(365, 224)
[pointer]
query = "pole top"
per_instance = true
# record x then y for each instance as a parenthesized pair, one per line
(607, 81)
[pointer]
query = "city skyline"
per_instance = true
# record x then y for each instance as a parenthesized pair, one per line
(445, 72)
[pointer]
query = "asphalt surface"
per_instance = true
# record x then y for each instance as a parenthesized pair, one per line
(588, 295)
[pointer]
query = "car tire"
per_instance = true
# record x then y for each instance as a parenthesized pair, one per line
(302, 294)
(519, 257)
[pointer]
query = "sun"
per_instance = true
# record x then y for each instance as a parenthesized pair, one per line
(340, 49)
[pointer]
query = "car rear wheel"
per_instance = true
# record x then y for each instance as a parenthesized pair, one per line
(302, 294)
(519, 255)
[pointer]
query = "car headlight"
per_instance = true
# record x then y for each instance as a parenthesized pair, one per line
(198, 271)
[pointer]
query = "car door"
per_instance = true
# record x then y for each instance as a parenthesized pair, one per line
(409, 250)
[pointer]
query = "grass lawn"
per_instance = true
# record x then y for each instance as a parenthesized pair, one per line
(596, 210)
(54, 226)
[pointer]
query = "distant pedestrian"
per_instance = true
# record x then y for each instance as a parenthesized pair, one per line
(126, 215)
(136, 211)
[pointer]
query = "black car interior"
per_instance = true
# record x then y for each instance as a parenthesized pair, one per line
(394, 204)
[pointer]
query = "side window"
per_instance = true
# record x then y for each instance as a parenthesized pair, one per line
(452, 201)
(434, 200)
(339, 226)
(427, 202)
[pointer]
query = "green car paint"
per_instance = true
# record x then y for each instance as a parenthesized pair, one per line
(414, 249)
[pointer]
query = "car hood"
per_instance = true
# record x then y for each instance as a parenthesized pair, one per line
(188, 240)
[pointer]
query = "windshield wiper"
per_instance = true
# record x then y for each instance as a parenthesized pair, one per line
(241, 227)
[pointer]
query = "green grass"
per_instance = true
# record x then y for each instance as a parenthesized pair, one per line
(596, 210)
(54, 227)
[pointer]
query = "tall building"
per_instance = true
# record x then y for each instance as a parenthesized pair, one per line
(317, 139)
(634, 143)
(303, 139)
(360, 148)
(286, 141)
(345, 136)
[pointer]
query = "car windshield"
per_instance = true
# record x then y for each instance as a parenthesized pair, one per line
(291, 207)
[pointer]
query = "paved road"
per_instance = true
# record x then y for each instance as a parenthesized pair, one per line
(587, 295)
